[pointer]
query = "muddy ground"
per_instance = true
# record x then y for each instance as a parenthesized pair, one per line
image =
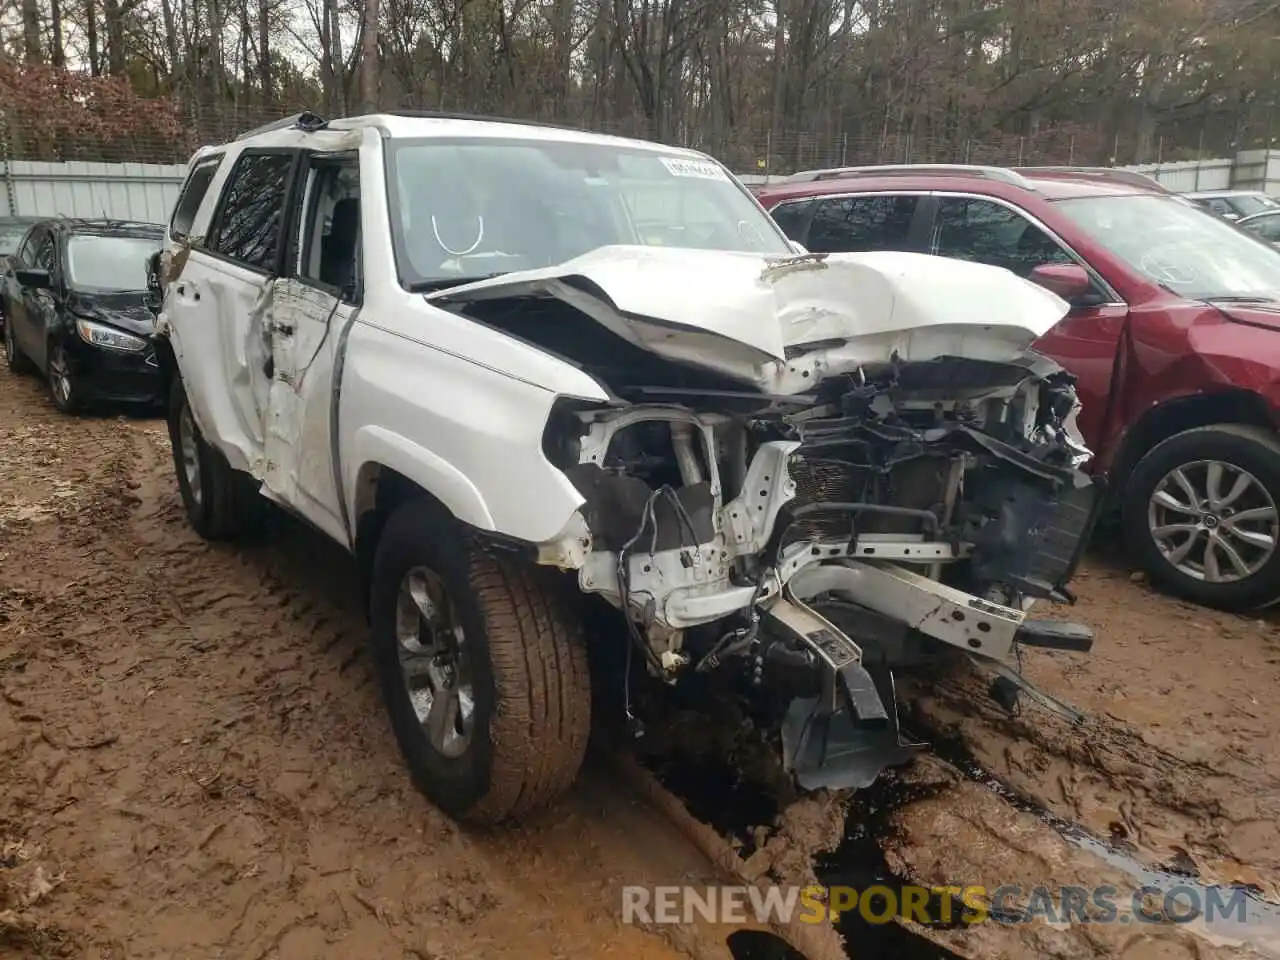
(194, 762)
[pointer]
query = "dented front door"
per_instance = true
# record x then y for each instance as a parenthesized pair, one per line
(307, 325)
(312, 307)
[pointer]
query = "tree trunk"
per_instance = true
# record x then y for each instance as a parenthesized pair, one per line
(91, 32)
(264, 54)
(176, 69)
(59, 58)
(369, 58)
(115, 37)
(33, 49)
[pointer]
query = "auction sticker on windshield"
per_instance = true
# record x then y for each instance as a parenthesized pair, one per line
(702, 169)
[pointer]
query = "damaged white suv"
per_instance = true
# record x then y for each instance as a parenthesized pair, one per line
(494, 360)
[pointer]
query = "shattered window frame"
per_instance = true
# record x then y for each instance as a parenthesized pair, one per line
(214, 246)
(213, 163)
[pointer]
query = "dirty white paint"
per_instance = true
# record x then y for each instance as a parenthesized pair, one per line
(126, 191)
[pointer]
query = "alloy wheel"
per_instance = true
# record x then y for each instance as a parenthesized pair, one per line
(1213, 521)
(60, 376)
(190, 451)
(434, 662)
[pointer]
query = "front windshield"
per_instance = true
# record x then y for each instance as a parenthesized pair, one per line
(1187, 251)
(466, 208)
(98, 264)
(10, 236)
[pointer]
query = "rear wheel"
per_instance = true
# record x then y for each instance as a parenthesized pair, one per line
(1202, 512)
(483, 670)
(15, 359)
(221, 503)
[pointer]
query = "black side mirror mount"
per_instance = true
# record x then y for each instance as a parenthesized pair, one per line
(35, 278)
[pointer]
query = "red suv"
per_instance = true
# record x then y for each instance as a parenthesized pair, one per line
(1173, 336)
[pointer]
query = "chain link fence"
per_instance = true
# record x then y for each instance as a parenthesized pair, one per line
(173, 134)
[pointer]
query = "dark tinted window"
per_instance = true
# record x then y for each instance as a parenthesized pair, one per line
(45, 254)
(193, 191)
(971, 229)
(856, 224)
(1266, 227)
(792, 217)
(249, 226)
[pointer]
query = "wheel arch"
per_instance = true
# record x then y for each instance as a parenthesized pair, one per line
(1176, 416)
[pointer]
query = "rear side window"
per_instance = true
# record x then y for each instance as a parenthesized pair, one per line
(193, 191)
(793, 217)
(859, 224)
(249, 225)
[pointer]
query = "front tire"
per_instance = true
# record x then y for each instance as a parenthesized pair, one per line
(483, 670)
(1202, 513)
(221, 503)
(64, 385)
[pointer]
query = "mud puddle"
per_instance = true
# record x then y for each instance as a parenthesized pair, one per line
(761, 945)
(748, 816)
(1230, 912)
(895, 836)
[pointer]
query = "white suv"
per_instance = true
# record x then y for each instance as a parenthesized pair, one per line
(496, 360)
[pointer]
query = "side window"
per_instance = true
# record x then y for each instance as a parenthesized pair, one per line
(248, 228)
(1269, 228)
(329, 243)
(792, 217)
(858, 224)
(193, 193)
(27, 252)
(45, 255)
(1220, 207)
(987, 232)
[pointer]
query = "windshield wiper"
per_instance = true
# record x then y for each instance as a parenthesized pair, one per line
(444, 283)
(1239, 299)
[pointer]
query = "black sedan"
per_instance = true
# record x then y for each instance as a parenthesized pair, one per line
(12, 230)
(78, 311)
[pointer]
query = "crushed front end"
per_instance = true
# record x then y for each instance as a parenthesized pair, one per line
(816, 543)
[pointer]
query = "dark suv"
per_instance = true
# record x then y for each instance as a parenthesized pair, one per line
(1173, 334)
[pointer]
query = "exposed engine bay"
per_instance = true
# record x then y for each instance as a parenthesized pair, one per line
(896, 513)
(885, 519)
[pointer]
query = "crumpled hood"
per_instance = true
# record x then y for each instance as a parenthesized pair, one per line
(126, 311)
(775, 304)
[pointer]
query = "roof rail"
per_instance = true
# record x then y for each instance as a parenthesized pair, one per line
(305, 120)
(1003, 174)
(1103, 173)
(478, 117)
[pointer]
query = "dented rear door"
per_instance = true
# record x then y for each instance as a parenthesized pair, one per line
(220, 299)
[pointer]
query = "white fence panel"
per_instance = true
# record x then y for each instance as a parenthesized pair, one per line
(1258, 170)
(121, 191)
(1187, 176)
